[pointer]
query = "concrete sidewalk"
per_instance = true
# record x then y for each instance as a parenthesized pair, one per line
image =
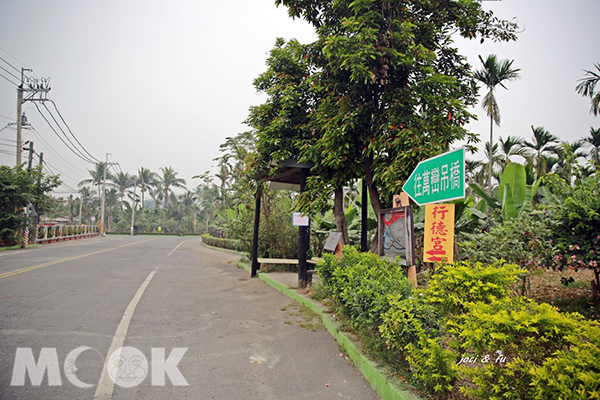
(377, 376)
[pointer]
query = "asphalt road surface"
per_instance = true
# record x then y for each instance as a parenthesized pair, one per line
(154, 318)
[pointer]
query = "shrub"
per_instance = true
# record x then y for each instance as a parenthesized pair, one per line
(222, 243)
(524, 240)
(536, 341)
(461, 283)
(361, 284)
(577, 216)
(414, 326)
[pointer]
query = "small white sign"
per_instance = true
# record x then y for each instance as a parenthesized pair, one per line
(93, 218)
(298, 219)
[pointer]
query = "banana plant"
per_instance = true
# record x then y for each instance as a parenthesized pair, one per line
(514, 196)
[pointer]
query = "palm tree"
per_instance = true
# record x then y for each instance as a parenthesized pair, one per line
(122, 181)
(593, 141)
(146, 178)
(542, 142)
(586, 88)
(85, 198)
(494, 73)
(96, 177)
(168, 180)
(491, 153)
(568, 153)
(512, 146)
(471, 168)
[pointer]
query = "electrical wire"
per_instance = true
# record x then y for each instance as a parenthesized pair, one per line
(15, 68)
(60, 137)
(8, 152)
(57, 154)
(16, 84)
(71, 132)
(9, 140)
(10, 73)
(7, 118)
(54, 168)
(65, 134)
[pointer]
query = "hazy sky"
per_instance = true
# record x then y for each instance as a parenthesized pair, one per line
(163, 83)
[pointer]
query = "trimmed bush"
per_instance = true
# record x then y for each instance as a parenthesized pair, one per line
(535, 351)
(361, 284)
(221, 243)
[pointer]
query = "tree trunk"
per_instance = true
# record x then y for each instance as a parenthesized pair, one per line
(491, 156)
(340, 216)
(373, 195)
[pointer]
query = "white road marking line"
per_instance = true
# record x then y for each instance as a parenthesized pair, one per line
(173, 251)
(106, 385)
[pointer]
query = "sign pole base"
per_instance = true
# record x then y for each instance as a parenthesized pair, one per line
(412, 274)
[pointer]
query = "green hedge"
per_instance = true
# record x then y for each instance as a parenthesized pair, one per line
(467, 333)
(222, 243)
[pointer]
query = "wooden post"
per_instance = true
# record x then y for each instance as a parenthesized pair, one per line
(402, 200)
(364, 246)
(303, 242)
(255, 265)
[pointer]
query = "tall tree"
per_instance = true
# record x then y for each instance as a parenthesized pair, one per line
(146, 179)
(391, 82)
(122, 181)
(511, 146)
(593, 142)
(542, 142)
(167, 181)
(96, 177)
(587, 86)
(568, 153)
(493, 74)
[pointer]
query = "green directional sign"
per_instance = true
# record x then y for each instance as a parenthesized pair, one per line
(437, 179)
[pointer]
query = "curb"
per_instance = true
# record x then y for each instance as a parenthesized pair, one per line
(222, 249)
(375, 375)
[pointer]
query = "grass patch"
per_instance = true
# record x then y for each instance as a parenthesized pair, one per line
(18, 246)
(303, 317)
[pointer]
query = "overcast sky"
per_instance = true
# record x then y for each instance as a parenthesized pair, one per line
(163, 83)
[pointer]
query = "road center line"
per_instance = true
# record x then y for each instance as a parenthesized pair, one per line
(106, 385)
(173, 251)
(34, 267)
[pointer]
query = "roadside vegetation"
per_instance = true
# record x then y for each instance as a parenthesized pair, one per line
(381, 89)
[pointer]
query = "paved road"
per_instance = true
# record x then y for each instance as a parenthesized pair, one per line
(184, 322)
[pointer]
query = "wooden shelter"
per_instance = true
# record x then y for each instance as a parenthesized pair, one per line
(290, 175)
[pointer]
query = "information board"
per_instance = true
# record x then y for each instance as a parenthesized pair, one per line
(396, 234)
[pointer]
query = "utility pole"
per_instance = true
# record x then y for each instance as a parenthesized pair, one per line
(103, 199)
(133, 207)
(19, 123)
(28, 207)
(20, 102)
(30, 164)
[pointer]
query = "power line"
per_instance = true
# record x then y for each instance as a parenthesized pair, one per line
(54, 152)
(63, 131)
(71, 132)
(8, 118)
(15, 68)
(53, 167)
(60, 137)
(8, 152)
(16, 84)
(10, 73)
(9, 140)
